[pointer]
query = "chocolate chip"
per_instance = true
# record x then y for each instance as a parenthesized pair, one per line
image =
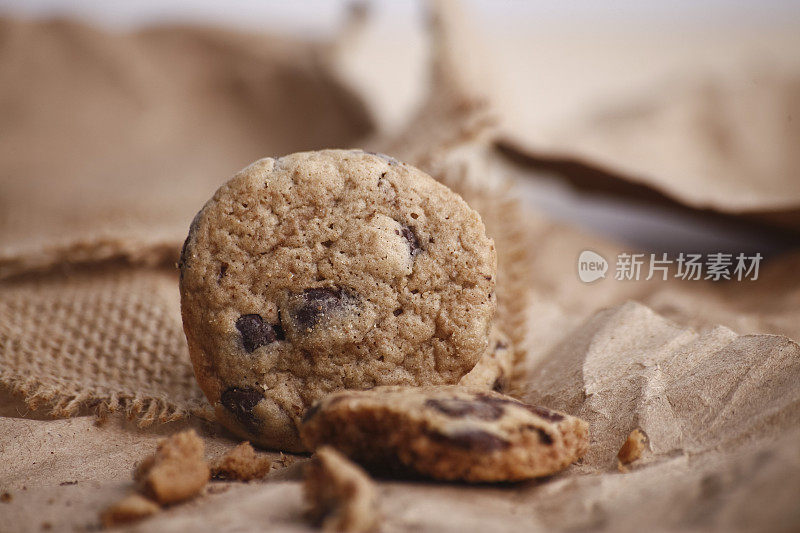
(456, 408)
(545, 413)
(397, 312)
(223, 269)
(544, 437)
(255, 332)
(408, 234)
(278, 329)
(314, 304)
(240, 401)
(474, 440)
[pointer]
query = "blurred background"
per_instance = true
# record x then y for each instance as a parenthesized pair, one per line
(667, 126)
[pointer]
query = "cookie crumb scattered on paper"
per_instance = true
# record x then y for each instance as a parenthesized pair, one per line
(286, 460)
(6, 497)
(177, 471)
(340, 495)
(242, 463)
(632, 449)
(129, 509)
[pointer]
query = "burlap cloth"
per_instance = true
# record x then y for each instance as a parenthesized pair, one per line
(112, 141)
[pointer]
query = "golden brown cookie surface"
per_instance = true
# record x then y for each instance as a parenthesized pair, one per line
(329, 270)
(447, 432)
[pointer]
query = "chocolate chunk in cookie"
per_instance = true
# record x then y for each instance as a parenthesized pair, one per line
(241, 401)
(479, 408)
(474, 440)
(255, 332)
(312, 305)
(545, 413)
(407, 232)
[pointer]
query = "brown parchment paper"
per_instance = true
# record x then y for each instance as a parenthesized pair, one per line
(85, 327)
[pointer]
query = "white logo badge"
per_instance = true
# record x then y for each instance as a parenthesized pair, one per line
(591, 266)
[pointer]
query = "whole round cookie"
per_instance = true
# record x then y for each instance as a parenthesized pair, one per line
(446, 432)
(329, 270)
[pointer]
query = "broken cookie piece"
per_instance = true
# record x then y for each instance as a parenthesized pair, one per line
(129, 509)
(242, 463)
(340, 495)
(446, 432)
(177, 470)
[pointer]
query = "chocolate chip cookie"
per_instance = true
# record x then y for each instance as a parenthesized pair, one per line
(329, 270)
(446, 432)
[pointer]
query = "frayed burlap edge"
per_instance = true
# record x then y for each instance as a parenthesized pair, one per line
(64, 400)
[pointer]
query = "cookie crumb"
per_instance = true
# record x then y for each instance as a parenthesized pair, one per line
(129, 509)
(177, 471)
(286, 460)
(340, 495)
(6, 497)
(632, 449)
(241, 464)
